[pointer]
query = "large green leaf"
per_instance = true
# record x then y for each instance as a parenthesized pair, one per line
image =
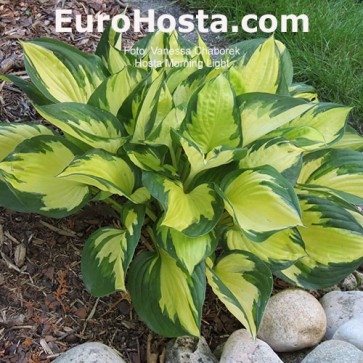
(31, 170)
(333, 239)
(62, 73)
(166, 297)
(212, 119)
(261, 201)
(94, 127)
(339, 170)
(11, 135)
(102, 170)
(194, 213)
(108, 252)
(244, 284)
(262, 113)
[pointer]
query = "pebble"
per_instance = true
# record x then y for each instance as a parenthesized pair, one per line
(189, 350)
(351, 332)
(334, 351)
(350, 283)
(293, 320)
(242, 348)
(91, 353)
(341, 306)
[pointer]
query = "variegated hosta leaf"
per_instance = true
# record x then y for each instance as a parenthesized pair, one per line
(279, 251)
(61, 72)
(129, 110)
(190, 252)
(339, 170)
(31, 170)
(109, 49)
(212, 119)
(9, 199)
(28, 88)
(177, 75)
(11, 135)
(108, 252)
(176, 47)
(194, 213)
(102, 170)
(111, 94)
(160, 135)
(244, 284)
(261, 201)
(262, 113)
(263, 66)
(166, 297)
(185, 89)
(218, 156)
(286, 72)
(119, 59)
(94, 127)
(304, 91)
(155, 107)
(328, 119)
(333, 238)
(163, 49)
(279, 153)
(201, 52)
(351, 140)
(151, 158)
(313, 275)
(305, 137)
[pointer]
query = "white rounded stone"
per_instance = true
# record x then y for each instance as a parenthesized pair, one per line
(90, 353)
(334, 351)
(293, 320)
(351, 332)
(189, 350)
(242, 348)
(341, 307)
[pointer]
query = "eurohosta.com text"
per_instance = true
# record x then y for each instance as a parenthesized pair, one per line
(186, 23)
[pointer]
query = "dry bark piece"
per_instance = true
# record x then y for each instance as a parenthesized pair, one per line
(20, 255)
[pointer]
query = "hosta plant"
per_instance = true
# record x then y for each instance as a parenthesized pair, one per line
(219, 175)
